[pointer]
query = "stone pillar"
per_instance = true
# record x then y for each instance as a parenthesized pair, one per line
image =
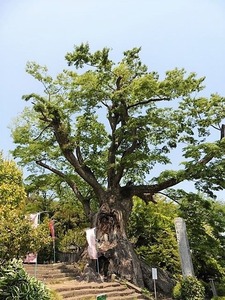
(184, 249)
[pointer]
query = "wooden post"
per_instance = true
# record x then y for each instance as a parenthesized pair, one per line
(184, 249)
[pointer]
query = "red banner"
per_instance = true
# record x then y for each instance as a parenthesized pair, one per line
(51, 228)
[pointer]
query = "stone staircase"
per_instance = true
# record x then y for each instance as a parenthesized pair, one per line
(61, 278)
(51, 273)
(90, 291)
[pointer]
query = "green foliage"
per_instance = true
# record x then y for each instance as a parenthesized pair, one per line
(72, 237)
(177, 291)
(62, 206)
(220, 287)
(15, 283)
(18, 237)
(68, 213)
(12, 193)
(70, 221)
(151, 229)
(205, 226)
(189, 288)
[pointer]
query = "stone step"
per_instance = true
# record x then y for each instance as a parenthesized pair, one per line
(94, 291)
(83, 285)
(46, 266)
(115, 296)
(49, 267)
(51, 272)
(134, 296)
(84, 291)
(61, 278)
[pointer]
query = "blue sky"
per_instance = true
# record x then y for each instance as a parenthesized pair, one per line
(172, 33)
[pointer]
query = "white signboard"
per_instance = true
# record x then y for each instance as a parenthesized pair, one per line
(154, 274)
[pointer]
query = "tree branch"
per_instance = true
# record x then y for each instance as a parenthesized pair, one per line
(62, 137)
(79, 155)
(144, 102)
(128, 151)
(85, 202)
(40, 134)
(146, 192)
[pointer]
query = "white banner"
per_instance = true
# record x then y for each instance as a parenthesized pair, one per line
(91, 239)
(32, 257)
(34, 219)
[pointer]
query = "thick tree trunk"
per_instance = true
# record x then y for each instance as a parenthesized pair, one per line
(118, 257)
(115, 252)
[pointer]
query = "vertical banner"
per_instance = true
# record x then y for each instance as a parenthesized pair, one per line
(52, 232)
(52, 228)
(34, 219)
(32, 257)
(91, 239)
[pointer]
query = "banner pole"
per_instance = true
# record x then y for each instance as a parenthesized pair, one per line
(97, 262)
(36, 262)
(96, 246)
(53, 250)
(35, 267)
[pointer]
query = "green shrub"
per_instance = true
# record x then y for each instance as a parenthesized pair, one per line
(220, 288)
(15, 283)
(55, 295)
(177, 291)
(189, 288)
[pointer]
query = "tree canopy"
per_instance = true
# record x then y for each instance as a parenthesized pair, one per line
(110, 124)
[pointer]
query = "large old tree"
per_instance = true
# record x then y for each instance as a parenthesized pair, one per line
(106, 128)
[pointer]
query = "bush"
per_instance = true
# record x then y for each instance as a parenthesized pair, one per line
(220, 288)
(189, 288)
(15, 283)
(177, 291)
